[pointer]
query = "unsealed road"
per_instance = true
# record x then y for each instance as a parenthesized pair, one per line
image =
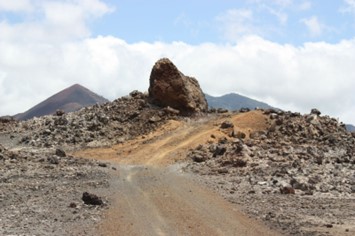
(155, 201)
(151, 198)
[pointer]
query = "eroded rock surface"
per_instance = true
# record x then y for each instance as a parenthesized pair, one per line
(170, 87)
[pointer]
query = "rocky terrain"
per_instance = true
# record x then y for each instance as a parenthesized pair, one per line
(294, 172)
(44, 191)
(297, 173)
(97, 125)
(41, 191)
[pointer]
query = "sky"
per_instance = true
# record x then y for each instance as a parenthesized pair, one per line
(293, 54)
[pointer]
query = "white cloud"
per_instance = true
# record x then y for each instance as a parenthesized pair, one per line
(279, 3)
(298, 78)
(193, 27)
(305, 6)
(349, 6)
(276, 8)
(237, 23)
(280, 15)
(54, 21)
(283, 3)
(313, 25)
(15, 5)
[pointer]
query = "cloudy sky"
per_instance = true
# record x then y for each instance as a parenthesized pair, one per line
(293, 54)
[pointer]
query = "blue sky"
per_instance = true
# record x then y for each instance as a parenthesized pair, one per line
(196, 22)
(292, 54)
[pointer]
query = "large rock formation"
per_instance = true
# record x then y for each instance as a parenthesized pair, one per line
(170, 87)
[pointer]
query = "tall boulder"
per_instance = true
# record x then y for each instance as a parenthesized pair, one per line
(170, 87)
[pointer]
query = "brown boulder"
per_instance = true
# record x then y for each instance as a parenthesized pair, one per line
(170, 87)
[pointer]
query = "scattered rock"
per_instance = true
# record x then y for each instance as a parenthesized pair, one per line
(92, 199)
(218, 150)
(222, 110)
(104, 165)
(227, 124)
(60, 152)
(287, 190)
(41, 191)
(53, 160)
(136, 94)
(59, 113)
(239, 163)
(171, 110)
(239, 135)
(198, 158)
(244, 109)
(72, 205)
(315, 112)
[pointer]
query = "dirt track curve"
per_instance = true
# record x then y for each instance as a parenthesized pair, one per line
(149, 196)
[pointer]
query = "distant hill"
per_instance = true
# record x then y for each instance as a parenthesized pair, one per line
(350, 128)
(234, 101)
(70, 99)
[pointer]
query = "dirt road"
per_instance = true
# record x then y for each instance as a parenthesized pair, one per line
(156, 201)
(150, 197)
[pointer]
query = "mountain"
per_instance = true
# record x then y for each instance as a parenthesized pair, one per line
(234, 101)
(350, 128)
(70, 99)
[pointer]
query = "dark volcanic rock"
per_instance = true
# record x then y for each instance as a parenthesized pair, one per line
(92, 199)
(170, 87)
(227, 124)
(112, 122)
(60, 112)
(287, 190)
(60, 152)
(315, 112)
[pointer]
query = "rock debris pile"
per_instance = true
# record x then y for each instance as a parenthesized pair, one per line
(98, 125)
(298, 174)
(302, 154)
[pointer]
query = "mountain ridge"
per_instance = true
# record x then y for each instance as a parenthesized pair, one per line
(350, 128)
(234, 101)
(70, 99)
